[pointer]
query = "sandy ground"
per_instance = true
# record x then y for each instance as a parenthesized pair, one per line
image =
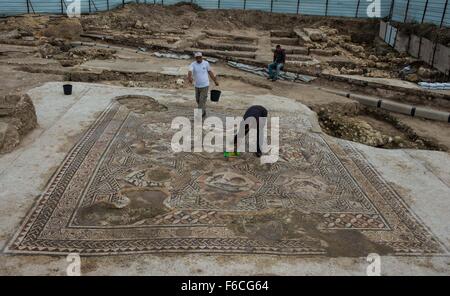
(419, 176)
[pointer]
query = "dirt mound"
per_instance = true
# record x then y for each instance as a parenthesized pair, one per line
(184, 15)
(64, 28)
(141, 104)
(17, 118)
(27, 23)
(194, 6)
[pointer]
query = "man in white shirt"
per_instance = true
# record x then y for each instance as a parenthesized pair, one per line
(200, 71)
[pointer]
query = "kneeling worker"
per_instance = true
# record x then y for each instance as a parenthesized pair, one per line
(255, 112)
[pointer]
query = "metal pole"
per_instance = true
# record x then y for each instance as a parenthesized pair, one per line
(62, 7)
(326, 8)
(391, 11)
(107, 4)
(409, 43)
(218, 4)
(443, 13)
(28, 7)
(245, 4)
(385, 31)
(420, 47)
(89, 6)
(357, 8)
(271, 5)
(406, 12)
(434, 53)
(424, 12)
(298, 6)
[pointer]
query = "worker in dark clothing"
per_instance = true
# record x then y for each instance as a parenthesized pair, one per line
(256, 112)
(279, 58)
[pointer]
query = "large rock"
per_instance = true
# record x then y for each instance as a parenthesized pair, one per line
(17, 118)
(315, 35)
(412, 78)
(48, 51)
(427, 73)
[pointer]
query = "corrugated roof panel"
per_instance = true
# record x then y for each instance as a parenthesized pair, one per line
(285, 6)
(342, 7)
(209, 4)
(347, 8)
(399, 10)
(258, 5)
(435, 11)
(231, 4)
(313, 7)
(415, 11)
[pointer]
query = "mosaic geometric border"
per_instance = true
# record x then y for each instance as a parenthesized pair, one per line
(39, 225)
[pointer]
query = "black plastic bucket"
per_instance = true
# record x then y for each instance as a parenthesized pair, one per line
(67, 89)
(215, 95)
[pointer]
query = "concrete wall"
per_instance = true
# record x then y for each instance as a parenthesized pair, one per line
(414, 46)
(402, 42)
(442, 58)
(436, 55)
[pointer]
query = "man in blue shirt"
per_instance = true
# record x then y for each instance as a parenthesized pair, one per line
(279, 58)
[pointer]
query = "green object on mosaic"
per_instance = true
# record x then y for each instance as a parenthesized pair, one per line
(231, 154)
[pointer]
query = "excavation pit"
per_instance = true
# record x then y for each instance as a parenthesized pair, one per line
(374, 128)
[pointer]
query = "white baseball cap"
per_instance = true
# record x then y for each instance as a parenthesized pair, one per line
(198, 54)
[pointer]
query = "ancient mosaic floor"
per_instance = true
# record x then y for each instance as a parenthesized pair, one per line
(321, 198)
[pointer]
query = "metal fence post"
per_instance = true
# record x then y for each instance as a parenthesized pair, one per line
(434, 52)
(245, 4)
(89, 6)
(326, 8)
(62, 7)
(443, 13)
(218, 4)
(271, 5)
(357, 8)
(298, 6)
(406, 11)
(107, 4)
(391, 11)
(28, 7)
(424, 12)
